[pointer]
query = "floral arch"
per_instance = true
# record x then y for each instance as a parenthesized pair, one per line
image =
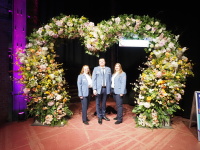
(159, 87)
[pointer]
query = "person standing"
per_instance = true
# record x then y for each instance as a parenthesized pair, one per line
(118, 87)
(101, 79)
(84, 83)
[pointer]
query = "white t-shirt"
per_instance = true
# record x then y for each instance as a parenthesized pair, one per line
(113, 77)
(89, 79)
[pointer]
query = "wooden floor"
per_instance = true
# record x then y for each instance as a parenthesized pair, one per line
(108, 136)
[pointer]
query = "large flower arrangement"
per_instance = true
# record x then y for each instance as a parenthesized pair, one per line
(159, 87)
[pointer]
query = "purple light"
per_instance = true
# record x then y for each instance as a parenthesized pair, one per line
(21, 113)
(19, 41)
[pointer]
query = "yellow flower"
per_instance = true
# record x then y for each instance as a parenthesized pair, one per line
(149, 98)
(47, 92)
(83, 18)
(180, 62)
(180, 49)
(167, 54)
(160, 82)
(32, 50)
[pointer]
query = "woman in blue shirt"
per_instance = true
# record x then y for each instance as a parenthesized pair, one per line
(84, 83)
(118, 86)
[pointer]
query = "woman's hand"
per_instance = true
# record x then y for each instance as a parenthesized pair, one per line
(95, 92)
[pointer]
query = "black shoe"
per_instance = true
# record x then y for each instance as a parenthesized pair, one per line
(85, 122)
(118, 122)
(99, 120)
(105, 118)
(87, 119)
(115, 118)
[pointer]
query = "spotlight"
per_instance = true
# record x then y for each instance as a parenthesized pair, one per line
(21, 116)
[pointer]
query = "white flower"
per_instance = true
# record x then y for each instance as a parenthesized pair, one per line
(147, 27)
(48, 119)
(70, 24)
(184, 58)
(50, 33)
(177, 37)
(171, 45)
(174, 64)
(117, 20)
(58, 97)
(141, 97)
(147, 104)
(178, 96)
(157, 23)
(29, 45)
(52, 76)
(157, 53)
(151, 45)
(39, 31)
(44, 48)
(47, 27)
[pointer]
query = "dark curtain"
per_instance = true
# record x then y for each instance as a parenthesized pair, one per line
(72, 55)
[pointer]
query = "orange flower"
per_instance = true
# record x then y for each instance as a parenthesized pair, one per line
(28, 68)
(32, 50)
(65, 99)
(44, 108)
(35, 100)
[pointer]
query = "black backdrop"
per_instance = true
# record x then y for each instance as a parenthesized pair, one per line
(72, 55)
(181, 19)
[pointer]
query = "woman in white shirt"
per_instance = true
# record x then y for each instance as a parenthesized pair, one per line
(84, 83)
(118, 86)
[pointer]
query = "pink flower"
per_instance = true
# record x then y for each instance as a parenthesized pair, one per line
(178, 96)
(43, 67)
(26, 90)
(51, 103)
(159, 74)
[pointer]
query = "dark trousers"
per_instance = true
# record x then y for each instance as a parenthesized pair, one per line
(85, 103)
(101, 103)
(119, 104)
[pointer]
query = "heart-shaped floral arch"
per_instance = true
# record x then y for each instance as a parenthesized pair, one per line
(158, 89)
